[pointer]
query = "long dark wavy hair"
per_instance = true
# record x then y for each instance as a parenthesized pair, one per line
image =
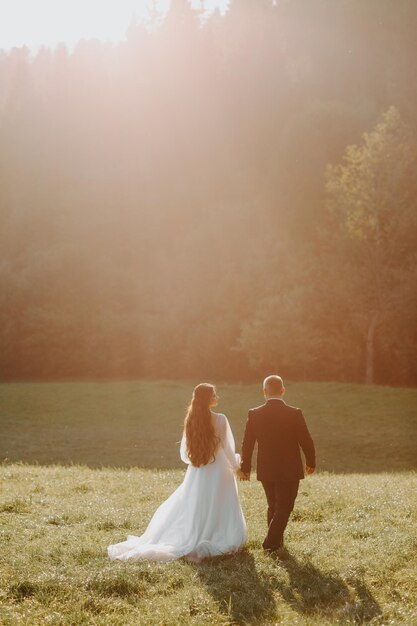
(201, 439)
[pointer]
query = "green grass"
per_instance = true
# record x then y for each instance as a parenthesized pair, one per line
(357, 428)
(350, 538)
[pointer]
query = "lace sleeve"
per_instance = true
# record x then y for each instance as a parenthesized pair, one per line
(183, 451)
(228, 443)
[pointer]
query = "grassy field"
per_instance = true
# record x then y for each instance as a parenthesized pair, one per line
(350, 539)
(357, 428)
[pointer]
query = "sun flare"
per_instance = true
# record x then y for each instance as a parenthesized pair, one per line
(49, 22)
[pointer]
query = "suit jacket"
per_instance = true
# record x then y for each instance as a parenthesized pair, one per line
(280, 430)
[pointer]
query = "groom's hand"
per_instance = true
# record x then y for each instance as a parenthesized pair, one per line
(310, 470)
(242, 476)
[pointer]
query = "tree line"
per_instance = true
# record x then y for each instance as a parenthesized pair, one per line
(216, 199)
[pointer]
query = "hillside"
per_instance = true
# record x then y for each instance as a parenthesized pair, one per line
(357, 428)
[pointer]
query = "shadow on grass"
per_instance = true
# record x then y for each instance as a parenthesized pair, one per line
(310, 591)
(241, 593)
(246, 594)
(366, 607)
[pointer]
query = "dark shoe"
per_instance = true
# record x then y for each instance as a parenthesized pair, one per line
(278, 553)
(283, 554)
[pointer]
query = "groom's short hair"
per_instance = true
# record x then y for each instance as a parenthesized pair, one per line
(273, 384)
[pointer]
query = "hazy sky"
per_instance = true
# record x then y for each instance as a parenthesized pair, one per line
(48, 22)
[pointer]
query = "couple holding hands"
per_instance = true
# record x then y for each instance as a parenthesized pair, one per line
(203, 517)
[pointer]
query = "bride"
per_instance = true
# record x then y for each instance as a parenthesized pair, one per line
(203, 517)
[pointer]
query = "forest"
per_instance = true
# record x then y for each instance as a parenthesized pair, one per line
(216, 199)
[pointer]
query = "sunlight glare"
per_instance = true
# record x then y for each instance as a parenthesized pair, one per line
(49, 22)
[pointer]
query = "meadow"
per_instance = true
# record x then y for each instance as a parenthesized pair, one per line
(77, 476)
(356, 428)
(350, 539)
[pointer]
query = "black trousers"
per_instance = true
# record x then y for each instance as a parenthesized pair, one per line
(281, 498)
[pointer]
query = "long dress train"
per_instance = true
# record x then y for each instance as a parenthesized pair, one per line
(202, 518)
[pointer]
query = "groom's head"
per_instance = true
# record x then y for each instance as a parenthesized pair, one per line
(273, 387)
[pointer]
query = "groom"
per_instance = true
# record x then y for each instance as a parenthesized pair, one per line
(280, 431)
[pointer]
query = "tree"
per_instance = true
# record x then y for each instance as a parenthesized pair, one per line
(160, 195)
(372, 197)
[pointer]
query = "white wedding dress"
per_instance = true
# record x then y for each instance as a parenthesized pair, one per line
(201, 518)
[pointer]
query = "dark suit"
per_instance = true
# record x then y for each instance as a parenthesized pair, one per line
(280, 430)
